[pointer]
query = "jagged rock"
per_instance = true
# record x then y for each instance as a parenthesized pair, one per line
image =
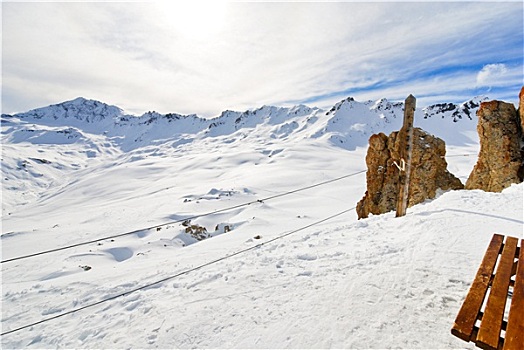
(500, 160)
(197, 231)
(222, 227)
(521, 109)
(428, 172)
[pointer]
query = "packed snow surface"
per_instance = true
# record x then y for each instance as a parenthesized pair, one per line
(282, 262)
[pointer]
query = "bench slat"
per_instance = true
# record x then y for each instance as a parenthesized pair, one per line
(467, 316)
(515, 330)
(489, 333)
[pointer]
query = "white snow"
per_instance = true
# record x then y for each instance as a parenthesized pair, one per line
(382, 282)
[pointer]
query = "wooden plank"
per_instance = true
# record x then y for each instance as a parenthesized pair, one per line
(405, 136)
(491, 325)
(515, 330)
(467, 316)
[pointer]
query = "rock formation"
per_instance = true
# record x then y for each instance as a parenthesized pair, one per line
(428, 172)
(197, 231)
(521, 110)
(500, 161)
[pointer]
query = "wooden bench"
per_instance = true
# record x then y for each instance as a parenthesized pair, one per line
(485, 317)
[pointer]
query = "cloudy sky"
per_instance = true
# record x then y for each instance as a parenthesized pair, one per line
(204, 57)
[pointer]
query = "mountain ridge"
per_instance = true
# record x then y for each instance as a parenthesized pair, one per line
(44, 147)
(68, 108)
(360, 119)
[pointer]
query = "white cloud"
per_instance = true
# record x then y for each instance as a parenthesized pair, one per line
(142, 56)
(491, 74)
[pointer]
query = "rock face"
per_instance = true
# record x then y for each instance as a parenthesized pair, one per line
(520, 113)
(500, 161)
(428, 172)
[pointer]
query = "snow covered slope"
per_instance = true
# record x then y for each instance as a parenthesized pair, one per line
(82, 170)
(46, 148)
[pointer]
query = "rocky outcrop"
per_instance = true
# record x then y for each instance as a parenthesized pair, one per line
(500, 161)
(197, 231)
(521, 110)
(428, 172)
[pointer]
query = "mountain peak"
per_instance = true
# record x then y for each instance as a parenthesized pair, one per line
(453, 110)
(80, 100)
(84, 104)
(80, 109)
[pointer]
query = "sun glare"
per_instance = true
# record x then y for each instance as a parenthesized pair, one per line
(194, 19)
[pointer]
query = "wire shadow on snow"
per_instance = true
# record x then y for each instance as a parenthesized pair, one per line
(427, 213)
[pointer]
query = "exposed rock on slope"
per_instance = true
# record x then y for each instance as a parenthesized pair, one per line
(521, 110)
(500, 159)
(428, 172)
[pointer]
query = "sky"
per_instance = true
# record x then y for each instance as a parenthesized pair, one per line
(204, 57)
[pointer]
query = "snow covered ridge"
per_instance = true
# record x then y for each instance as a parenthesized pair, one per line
(348, 123)
(92, 111)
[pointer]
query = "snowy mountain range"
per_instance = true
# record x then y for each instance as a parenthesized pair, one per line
(132, 199)
(349, 122)
(91, 129)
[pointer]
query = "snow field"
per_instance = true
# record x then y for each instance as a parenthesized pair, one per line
(382, 282)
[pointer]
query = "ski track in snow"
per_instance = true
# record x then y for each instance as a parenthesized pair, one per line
(382, 282)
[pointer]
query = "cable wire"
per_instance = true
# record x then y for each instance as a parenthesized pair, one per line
(165, 279)
(459, 155)
(179, 220)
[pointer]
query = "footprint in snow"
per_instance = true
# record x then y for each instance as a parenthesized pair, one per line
(305, 273)
(307, 257)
